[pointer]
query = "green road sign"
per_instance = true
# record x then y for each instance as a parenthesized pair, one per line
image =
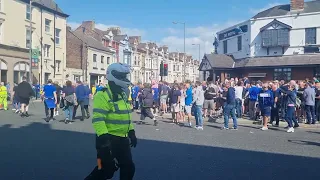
(35, 53)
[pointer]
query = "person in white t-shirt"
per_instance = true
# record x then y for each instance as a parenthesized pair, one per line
(239, 99)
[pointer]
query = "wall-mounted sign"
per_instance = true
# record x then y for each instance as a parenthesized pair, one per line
(35, 58)
(233, 32)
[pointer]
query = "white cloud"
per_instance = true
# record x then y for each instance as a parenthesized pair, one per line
(256, 11)
(124, 30)
(203, 35)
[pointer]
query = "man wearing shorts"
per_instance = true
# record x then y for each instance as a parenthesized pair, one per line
(24, 93)
(209, 96)
(265, 103)
(174, 102)
(164, 90)
(188, 101)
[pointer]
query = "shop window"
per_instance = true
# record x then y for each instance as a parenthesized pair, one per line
(282, 74)
(316, 72)
(239, 43)
(225, 47)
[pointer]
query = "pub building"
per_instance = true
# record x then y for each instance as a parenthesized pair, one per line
(280, 43)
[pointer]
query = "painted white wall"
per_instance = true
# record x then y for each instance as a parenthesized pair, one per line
(233, 42)
(251, 42)
(297, 33)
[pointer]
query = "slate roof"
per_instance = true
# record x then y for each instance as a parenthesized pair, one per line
(294, 60)
(119, 37)
(223, 61)
(281, 10)
(91, 42)
(51, 5)
(219, 60)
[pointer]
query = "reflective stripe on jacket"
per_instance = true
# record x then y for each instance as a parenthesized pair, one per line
(111, 117)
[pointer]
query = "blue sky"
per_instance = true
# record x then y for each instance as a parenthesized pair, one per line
(152, 19)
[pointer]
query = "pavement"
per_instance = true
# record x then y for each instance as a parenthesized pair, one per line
(30, 148)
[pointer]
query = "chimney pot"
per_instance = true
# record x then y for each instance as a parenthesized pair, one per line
(296, 5)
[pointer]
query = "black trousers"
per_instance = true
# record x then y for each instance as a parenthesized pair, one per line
(275, 115)
(146, 112)
(84, 110)
(121, 151)
(46, 110)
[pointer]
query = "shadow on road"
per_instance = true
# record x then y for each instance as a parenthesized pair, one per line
(39, 152)
(304, 142)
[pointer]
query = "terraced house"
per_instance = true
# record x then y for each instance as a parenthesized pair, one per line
(41, 26)
(281, 42)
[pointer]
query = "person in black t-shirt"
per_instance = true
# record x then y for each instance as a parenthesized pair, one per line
(276, 106)
(300, 110)
(15, 99)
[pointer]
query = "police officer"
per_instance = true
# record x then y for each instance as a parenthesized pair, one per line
(3, 96)
(113, 126)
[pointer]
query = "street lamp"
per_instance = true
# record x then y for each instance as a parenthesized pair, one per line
(199, 49)
(184, 47)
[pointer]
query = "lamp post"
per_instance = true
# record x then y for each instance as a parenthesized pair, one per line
(30, 50)
(184, 48)
(199, 50)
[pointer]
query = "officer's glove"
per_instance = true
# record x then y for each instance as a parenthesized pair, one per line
(133, 138)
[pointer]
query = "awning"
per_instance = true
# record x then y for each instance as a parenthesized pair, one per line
(257, 75)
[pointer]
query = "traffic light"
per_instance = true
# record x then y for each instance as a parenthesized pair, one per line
(161, 69)
(165, 69)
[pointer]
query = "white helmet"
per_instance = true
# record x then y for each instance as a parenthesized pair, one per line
(117, 72)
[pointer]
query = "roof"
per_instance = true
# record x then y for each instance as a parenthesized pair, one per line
(119, 37)
(50, 5)
(282, 10)
(91, 42)
(142, 46)
(294, 60)
(219, 60)
(275, 22)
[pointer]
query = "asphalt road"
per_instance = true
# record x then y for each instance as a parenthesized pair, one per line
(33, 149)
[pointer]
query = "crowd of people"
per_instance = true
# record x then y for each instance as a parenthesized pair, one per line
(294, 101)
(271, 101)
(55, 97)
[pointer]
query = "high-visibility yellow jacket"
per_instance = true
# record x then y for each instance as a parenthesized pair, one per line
(3, 91)
(130, 98)
(111, 117)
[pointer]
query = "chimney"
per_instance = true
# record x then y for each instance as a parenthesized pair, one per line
(296, 5)
(69, 28)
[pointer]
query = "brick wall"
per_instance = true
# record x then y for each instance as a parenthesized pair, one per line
(296, 4)
(74, 54)
(301, 73)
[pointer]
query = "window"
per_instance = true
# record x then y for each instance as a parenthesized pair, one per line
(282, 74)
(28, 12)
(135, 60)
(225, 47)
(102, 59)
(58, 36)
(46, 50)
(47, 23)
(108, 60)
(58, 62)
(275, 37)
(311, 36)
(28, 38)
(283, 37)
(239, 43)
(95, 65)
